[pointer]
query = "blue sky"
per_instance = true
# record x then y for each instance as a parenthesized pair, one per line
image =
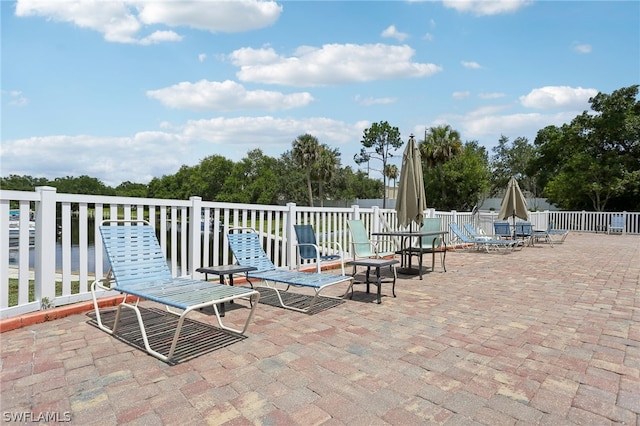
(131, 90)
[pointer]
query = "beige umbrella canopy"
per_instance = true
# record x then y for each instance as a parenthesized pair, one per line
(513, 204)
(411, 202)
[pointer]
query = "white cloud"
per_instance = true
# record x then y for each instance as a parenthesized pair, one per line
(332, 64)
(471, 65)
(392, 32)
(461, 95)
(202, 57)
(375, 101)
(491, 95)
(582, 48)
(122, 21)
(114, 160)
(16, 98)
(211, 15)
(487, 7)
(558, 97)
(226, 96)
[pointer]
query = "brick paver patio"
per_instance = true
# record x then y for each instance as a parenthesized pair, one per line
(539, 336)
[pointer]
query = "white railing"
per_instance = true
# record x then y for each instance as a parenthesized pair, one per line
(57, 266)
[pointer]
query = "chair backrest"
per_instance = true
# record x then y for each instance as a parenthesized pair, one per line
(133, 252)
(431, 224)
(617, 222)
(246, 248)
(306, 235)
(360, 239)
(459, 234)
(471, 230)
(502, 229)
(524, 228)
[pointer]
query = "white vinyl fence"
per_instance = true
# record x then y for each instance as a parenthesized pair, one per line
(55, 264)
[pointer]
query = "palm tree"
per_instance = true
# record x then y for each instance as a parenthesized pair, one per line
(440, 145)
(392, 172)
(325, 168)
(305, 153)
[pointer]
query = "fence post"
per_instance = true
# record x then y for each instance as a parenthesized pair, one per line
(45, 245)
(290, 259)
(195, 235)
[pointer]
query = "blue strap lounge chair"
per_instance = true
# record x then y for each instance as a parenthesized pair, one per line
(487, 244)
(310, 251)
(247, 250)
(559, 235)
(502, 230)
(139, 269)
(474, 233)
(524, 231)
(616, 225)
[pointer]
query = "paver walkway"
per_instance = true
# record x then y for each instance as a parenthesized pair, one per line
(540, 336)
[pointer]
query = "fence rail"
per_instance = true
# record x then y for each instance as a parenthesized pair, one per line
(56, 265)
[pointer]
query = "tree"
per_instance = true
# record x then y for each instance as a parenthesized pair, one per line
(253, 180)
(130, 189)
(392, 172)
(513, 160)
(460, 182)
(384, 139)
(440, 145)
(81, 185)
(594, 161)
(325, 167)
(305, 153)
(21, 183)
(210, 176)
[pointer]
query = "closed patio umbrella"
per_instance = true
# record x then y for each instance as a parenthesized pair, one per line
(411, 202)
(513, 204)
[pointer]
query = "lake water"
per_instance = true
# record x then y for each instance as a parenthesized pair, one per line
(75, 258)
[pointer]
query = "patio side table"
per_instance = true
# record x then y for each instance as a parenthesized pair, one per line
(377, 264)
(221, 271)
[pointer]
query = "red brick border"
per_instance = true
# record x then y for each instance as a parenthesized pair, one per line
(38, 317)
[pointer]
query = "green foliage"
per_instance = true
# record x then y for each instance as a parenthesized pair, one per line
(130, 189)
(594, 162)
(513, 160)
(384, 139)
(459, 182)
(22, 183)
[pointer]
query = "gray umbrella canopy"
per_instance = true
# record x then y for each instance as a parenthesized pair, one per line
(513, 204)
(411, 202)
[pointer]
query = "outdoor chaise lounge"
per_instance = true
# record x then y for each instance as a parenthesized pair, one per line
(247, 249)
(559, 234)
(483, 243)
(616, 224)
(139, 268)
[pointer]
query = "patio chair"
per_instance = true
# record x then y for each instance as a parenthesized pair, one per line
(430, 244)
(474, 233)
(247, 250)
(361, 245)
(542, 234)
(310, 251)
(616, 224)
(524, 231)
(561, 233)
(502, 230)
(486, 244)
(139, 268)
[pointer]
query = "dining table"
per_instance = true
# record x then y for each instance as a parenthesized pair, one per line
(406, 242)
